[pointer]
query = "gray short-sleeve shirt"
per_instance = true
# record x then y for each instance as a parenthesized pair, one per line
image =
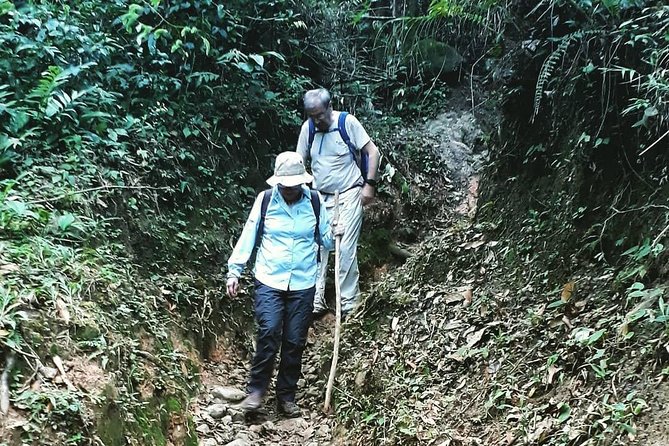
(332, 165)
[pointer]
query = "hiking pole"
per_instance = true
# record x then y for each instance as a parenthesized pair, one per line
(335, 353)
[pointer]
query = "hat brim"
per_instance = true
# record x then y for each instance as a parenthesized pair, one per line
(290, 180)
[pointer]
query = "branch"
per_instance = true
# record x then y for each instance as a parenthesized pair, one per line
(399, 252)
(652, 145)
(379, 17)
(93, 189)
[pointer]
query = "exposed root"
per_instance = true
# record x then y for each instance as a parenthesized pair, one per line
(4, 382)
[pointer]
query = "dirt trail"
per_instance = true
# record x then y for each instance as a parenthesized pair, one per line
(219, 422)
(456, 139)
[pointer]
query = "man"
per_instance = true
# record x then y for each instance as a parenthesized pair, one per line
(286, 244)
(335, 164)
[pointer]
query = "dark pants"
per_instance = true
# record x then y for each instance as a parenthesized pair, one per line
(283, 319)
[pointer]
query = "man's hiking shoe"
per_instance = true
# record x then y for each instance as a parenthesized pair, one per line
(252, 402)
(289, 409)
(319, 314)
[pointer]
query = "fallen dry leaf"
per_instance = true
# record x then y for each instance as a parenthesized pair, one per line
(8, 268)
(475, 337)
(552, 371)
(63, 312)
(568, 291)
(393, 325)
(468, 295)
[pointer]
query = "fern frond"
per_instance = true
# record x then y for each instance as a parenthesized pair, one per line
(61, 103)
(551, 61)
(51, 79)
(549, 66)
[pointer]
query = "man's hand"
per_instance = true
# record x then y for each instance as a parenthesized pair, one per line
(367, 194)
(233, 286)
(338, 229)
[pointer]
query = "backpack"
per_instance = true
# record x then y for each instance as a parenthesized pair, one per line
(341, 126)
(315, 204)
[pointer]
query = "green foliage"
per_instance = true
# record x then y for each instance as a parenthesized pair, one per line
(131, 133)
(638, 260)
(473, 11)
(621, 26)
(617, 417)
(56, 408)
(549, 66)
(10, 317)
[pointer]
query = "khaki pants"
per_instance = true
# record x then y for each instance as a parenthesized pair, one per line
(350, 215)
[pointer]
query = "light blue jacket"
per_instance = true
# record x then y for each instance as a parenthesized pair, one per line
(286, 258)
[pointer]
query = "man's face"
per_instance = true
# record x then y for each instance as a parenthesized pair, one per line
(321, 115)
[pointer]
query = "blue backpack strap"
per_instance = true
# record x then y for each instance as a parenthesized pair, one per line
(316, 204)
(312, 134)
(364, 158)
(267, 195)
(341, 126)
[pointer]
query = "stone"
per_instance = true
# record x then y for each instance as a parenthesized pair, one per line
(242, 436)
(313, 391)
(203, 429)
(268, 426)
(226, 420)
(292, 425)
(217, 411)
(48, 372)
(360, 379)
(238, 442)
(308, 433)
(209, 442)
(237, 416)
(323, 431)
(228, 393)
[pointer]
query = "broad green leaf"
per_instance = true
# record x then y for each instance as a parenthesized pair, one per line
(176, 46)
(52, 108)
(206, 45)
(565, 412)
(17, 207)
(596, 336)
(18, 121)
(5, 7)
(245, 66)
(130, 18)
(258, 59)
(274, 54)
(65, 221)
(160, 33)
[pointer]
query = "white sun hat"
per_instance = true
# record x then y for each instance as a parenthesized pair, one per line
(289, 170)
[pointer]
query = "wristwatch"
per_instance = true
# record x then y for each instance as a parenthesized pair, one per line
(371, 182)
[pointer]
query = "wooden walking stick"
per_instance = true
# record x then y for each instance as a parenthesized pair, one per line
(335, 353)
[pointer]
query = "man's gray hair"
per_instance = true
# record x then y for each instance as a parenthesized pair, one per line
(318, 96)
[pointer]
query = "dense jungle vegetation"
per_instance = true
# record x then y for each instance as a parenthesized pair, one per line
(135, 134)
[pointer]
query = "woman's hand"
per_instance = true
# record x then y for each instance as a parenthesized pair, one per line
(233, 286)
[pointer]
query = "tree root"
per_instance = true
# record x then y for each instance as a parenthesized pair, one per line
(4, 382)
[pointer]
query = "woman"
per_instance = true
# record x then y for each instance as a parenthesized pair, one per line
(286, 225)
